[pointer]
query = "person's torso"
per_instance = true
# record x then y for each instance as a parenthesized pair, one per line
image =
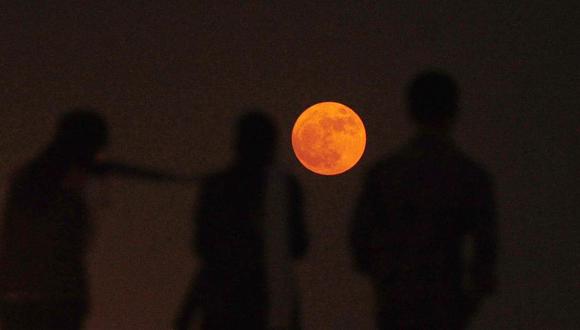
(426, 188)
(45, 238)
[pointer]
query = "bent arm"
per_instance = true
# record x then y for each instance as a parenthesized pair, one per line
(362, 224)
(485, 238)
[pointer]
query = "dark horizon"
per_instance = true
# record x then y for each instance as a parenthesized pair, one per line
(187, 71)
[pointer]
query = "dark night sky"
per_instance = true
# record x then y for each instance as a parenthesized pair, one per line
(173, 78)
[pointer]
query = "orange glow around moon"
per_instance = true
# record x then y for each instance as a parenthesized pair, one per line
(329, 138)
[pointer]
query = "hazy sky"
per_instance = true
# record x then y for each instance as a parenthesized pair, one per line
(173, 78)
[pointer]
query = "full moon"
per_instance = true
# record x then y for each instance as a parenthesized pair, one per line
(328, 138)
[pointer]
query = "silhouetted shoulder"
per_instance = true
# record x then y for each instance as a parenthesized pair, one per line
(389, 165)
(477, 170)
(30, 190)
(429, 154)
(472, 171)
(215, 179)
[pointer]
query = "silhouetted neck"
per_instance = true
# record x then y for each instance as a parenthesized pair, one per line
(440, 131)
(433, 139)
(251, 168)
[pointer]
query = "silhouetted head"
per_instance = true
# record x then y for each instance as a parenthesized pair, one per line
(81, 134)
(432, 98)
(257, 138)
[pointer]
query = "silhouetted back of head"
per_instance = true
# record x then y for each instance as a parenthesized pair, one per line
(80, 135)
(257, 137)
(432, 97)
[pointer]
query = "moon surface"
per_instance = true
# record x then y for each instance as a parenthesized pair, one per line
(328, 138)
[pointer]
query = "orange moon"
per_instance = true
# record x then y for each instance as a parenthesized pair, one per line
(329, 138)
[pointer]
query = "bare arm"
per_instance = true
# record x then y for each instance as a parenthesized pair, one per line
(138, 172)
(299, 235)
(362, 225)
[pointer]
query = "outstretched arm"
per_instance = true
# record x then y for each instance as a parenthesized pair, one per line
(137, 172)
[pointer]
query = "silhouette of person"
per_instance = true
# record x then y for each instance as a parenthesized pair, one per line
(249, 229)
(47, 227)
(419, 209)
(43, 280)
